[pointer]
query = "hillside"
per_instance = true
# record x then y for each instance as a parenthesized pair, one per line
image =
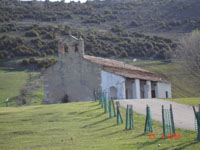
(145, 29)
(81, 126)
(130, 28)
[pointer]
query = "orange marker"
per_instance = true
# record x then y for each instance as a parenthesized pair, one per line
(152, 136)
(162, 136)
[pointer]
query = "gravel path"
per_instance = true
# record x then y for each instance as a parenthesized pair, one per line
(183, 114)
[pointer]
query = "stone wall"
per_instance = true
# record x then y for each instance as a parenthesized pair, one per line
(72, 75)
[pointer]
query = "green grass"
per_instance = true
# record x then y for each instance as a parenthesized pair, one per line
(13, 77)
(10, 83)
(38, 96)
(80, 126)
(193, 101)
(184, 84)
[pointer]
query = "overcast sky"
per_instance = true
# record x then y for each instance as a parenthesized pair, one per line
(82, 1)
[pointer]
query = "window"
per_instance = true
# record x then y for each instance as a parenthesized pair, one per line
(166, 94)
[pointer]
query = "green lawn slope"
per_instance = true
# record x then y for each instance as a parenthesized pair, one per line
(13, 78)
(193, 101)
(80, 126)
(10, 83)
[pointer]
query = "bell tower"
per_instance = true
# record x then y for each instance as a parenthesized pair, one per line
(81, 46)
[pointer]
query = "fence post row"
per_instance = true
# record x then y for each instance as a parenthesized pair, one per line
(167, 115)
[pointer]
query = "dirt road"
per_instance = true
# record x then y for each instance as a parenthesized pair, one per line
(183, 114)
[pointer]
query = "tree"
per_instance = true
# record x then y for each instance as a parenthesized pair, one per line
(189, 51)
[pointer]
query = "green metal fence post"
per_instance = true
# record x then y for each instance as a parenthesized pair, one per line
(197, 116)
(150, 120)
(109, 108)
(172, 119)
(131, 117)
(119, 117)
(145, 127)
(113, 105)
(163, 121)
(127, 117)
(105, 104)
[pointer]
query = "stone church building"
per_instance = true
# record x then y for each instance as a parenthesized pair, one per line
(77, 75)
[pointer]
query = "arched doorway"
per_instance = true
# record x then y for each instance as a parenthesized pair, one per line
(113, 92)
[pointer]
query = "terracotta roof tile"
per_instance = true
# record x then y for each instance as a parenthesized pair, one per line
(122, 69)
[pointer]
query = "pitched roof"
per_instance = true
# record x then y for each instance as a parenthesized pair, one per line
(125, 70)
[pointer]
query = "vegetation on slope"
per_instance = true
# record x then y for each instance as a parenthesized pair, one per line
(133, 29)
(81, 126)
(110, 28)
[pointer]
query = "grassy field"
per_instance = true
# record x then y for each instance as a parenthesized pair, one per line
(10, 83)
(193, 101)
(14, 77)
(80, 126)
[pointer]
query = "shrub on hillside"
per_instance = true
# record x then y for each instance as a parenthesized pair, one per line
(25, 61)
(50, 51)
(49, 35)
(31, 33)
(32, 60)
(3, 54)
(37, 42)
(134, 23)
(43, 54)
(8, 27)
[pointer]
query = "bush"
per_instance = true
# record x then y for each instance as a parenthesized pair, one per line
(37, 42)
(49, 35)
(25, 62)
(43, 54)
(124, 53)
(134, 24)
(3, 54)
(116, 29)
(31, 33)
(50, 51)
(36, 53)
(33, 61)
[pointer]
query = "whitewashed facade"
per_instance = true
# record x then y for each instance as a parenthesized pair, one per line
(120, 87)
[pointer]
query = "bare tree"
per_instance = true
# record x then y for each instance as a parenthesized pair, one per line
(189, 51)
